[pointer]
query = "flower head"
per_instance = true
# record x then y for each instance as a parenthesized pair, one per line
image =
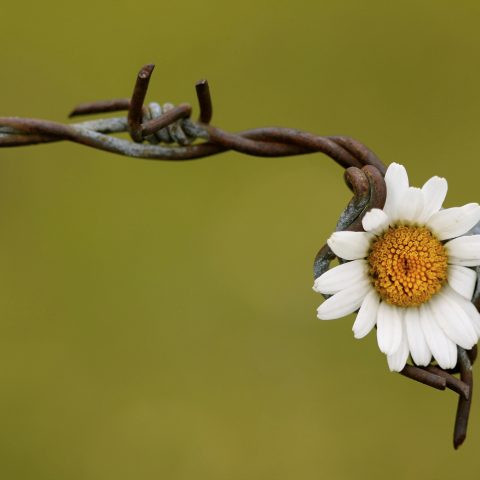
(408, 274)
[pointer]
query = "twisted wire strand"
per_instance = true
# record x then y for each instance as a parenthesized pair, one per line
(166, 132)
(263, 142)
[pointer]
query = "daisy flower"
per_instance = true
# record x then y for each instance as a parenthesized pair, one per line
(408, 273)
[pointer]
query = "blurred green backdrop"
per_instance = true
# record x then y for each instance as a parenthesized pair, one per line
(157, 320)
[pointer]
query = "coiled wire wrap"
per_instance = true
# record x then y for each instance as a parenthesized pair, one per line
(173, 133)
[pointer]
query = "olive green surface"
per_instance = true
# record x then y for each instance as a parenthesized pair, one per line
(157, 320)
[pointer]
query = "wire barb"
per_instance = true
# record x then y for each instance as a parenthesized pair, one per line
(204, 101)
(135, 111)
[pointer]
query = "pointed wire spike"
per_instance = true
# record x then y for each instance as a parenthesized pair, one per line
(135, 112)
(146, 70)
(204, 101)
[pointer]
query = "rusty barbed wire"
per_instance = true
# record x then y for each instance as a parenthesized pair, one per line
(153, 127)
(167, 132)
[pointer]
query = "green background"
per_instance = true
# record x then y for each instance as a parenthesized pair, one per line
(157, 320)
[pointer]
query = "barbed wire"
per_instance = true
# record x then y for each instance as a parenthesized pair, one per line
(154, 128)
(167, 132)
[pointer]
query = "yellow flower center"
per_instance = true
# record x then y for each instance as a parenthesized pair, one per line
(408, 265)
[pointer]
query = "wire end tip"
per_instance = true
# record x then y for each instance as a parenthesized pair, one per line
(146, 70)
(458, 441)
(201, 83)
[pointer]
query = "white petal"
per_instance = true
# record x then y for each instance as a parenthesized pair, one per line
(459, 301)
(469, 308)
(434, 193)
(389, 328)
(443, 349)
(344, 302)
(464, 251)
(397, 361)
(419, 350)
(375, 221)
(341, 277)
(411, 206)
(396, 180)
(367, 316)
(462, 280)
(451, 318)
(350, 245)
(453, 222)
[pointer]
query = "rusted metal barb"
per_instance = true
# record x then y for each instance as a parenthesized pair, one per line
(453, 383)
(464, 404)
(424, 376)
(135, 111)
(204, 101)
(105, 106)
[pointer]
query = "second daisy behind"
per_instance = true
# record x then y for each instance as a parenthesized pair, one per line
(405, 277)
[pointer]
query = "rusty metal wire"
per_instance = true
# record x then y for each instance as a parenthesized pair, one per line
(167, 132)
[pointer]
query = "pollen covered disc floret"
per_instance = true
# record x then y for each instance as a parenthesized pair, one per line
(409, 274)
(408, 265)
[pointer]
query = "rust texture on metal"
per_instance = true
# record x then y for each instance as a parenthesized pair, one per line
(152, 127)
(167, 132)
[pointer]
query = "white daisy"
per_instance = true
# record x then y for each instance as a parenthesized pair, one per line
(409, 274)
